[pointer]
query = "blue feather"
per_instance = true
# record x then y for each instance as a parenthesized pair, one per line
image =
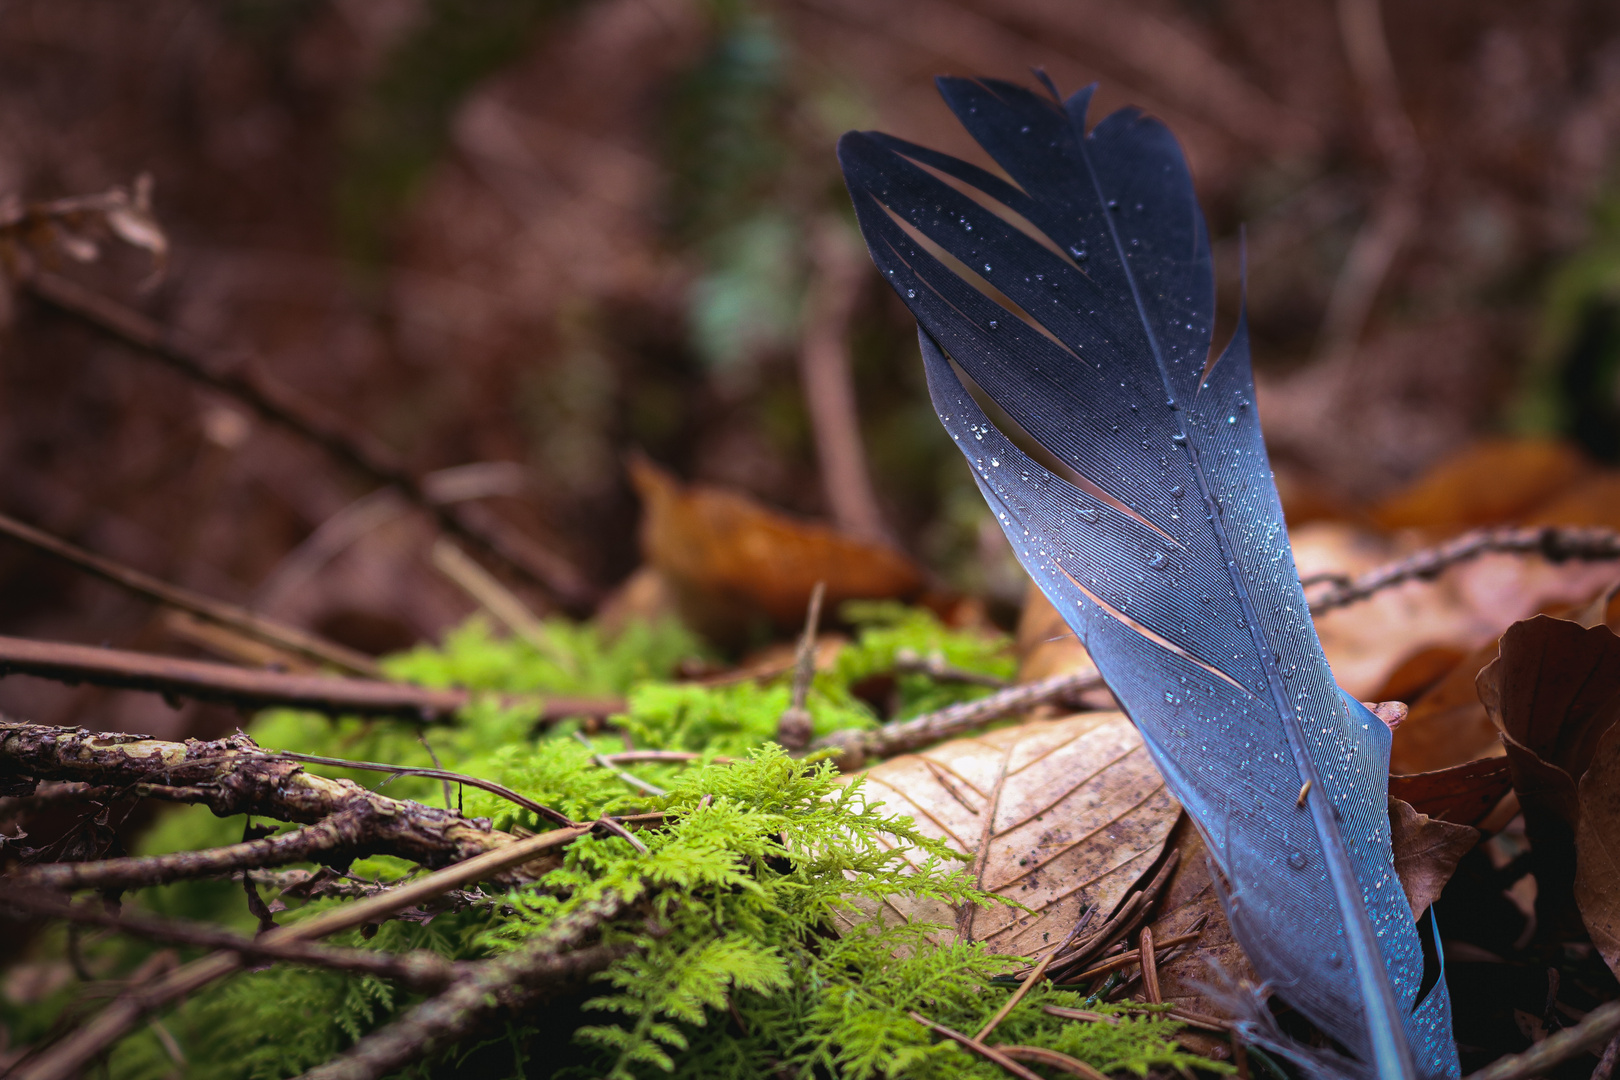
(1079, 298)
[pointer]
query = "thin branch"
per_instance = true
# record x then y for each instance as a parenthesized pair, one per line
(68, 1058)
(1024, 988)
(634, 781)
(1039, 1055)
(496, 599)
(899, 737)
(991, 1054)
(794, 728)
(250, 688)
(506, 982)
(234, 776)
(556, 817)
(1150, 965)
(332, 434)
(1557, 543)
(829, 384)
(1599, 1026)
(910, 661)
(419, 970)
(346, 831)
(245, 622)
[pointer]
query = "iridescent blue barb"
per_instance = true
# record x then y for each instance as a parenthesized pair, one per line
(1080, 299)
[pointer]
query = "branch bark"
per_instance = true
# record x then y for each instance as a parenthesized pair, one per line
(234, 776)
(240, 619)
(251, 688)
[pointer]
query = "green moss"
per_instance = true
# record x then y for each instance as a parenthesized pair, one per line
(744, 977)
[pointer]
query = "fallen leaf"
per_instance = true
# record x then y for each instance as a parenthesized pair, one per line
(1369, 642)
(1554, 693)
(1447, 726)
(1487, 483)
(1192, 897)
(730, 562)
(1060, 815)
(1427, 851)
(1597, 848)
(1593, 500)
(1426, 855)
(1463, 794)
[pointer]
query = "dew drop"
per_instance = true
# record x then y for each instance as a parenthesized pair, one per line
(1231, 419)
(1179, 438)
(1157, 562)
(1298, 860)
(987, 268)
(911, 294)
(1177, 492)
(1089, 514)
(994, 324)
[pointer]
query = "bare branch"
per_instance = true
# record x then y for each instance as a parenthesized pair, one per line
(421, 970)
(68, 1057)
(1598, 1027)
(333, 434)
(240, 619)
(829, 384)
(899, 737)
(506, 982)
(1558, 543)
(250, 688)
(234, 776)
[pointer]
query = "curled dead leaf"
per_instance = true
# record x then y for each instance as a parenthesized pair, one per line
(1464, 794)
(1554, 693)
(1597, 848)
(730, 562)
(1060, 815)
(1427, 851)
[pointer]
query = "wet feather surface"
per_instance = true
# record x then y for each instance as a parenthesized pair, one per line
(1075, 300)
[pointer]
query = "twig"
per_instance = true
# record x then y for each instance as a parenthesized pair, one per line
(1039, 1055)
(240, 619)
(69, 1056)
(855, 747)
(629, 778)
(1086, 1015)
(556, 817)
(631, 757)
(1125, 960)
(1150, 967)
(1024, 987)
(935, 667)
(496, 599)
(829, 385)
(1600, 1025)
(989, 1053)
(1557, 543)
(419, 970)
(506, 982)
(1605, 1065)
(336, 436)
(346, 831)
(1136, 907)
(234, 776)
(249, 688)
(794, 728)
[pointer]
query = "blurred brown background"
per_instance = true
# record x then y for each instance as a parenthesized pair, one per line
(551, 232)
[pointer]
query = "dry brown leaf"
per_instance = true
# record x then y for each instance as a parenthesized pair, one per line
(1047, 647)
(1593, 500)
(1463, 794)
(1192, 897)
(730, 562)
(1426, 855)
(1464, 609)
(1490, 482)
(1447, 726)
(1597, 847)
(1427, 851)
(1555, 693)
(1060, 815)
